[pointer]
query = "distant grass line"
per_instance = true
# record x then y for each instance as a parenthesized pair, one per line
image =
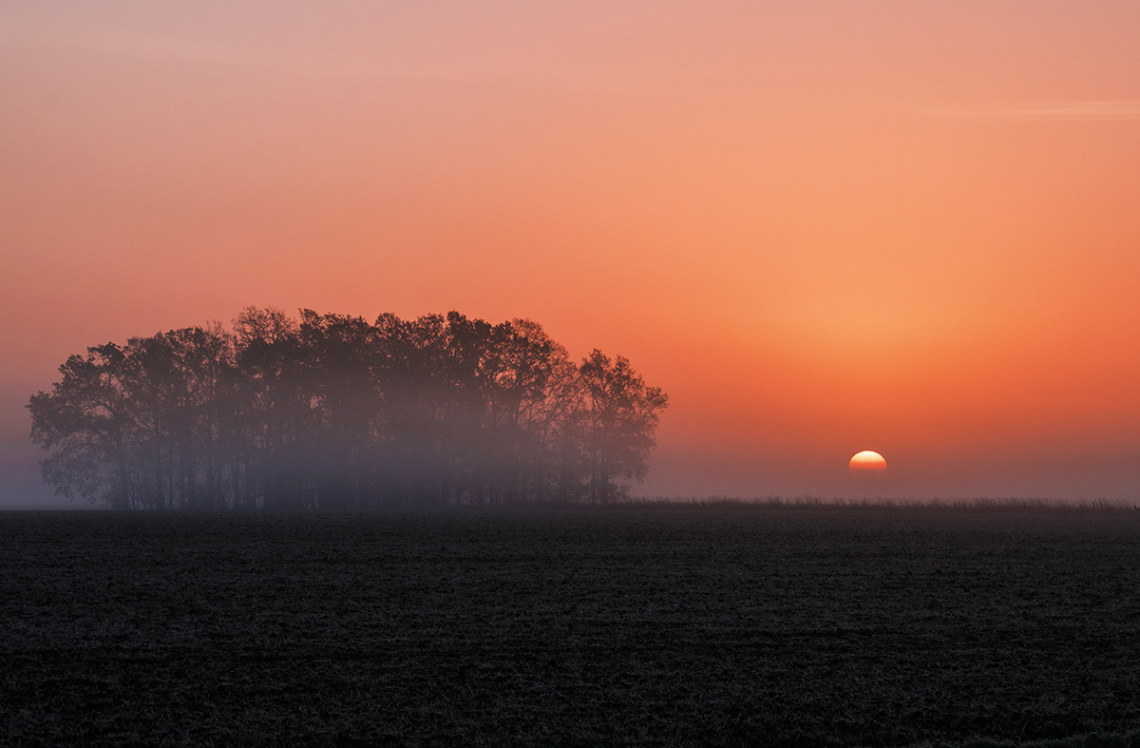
(1094, 740)
(730, 502)
(883, 503)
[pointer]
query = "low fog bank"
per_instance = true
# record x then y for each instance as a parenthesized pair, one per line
(681, 471)
(22, 485)
(808, 502)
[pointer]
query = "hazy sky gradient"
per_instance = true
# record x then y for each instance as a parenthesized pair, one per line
(821, 227)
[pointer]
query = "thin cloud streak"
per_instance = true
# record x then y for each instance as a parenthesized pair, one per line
(169, 49)
(1118, 109)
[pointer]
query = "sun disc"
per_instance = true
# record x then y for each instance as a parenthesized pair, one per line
(867, 462)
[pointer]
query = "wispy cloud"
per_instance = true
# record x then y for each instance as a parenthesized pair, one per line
(254, 56)
(1112, 109)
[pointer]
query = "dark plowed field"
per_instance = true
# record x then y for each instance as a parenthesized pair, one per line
(634, 626)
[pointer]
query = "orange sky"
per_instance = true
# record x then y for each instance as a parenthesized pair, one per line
(820, 226)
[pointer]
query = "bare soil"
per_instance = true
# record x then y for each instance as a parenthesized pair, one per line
(631, 626)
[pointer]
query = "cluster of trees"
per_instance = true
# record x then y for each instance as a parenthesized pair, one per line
(331, 412)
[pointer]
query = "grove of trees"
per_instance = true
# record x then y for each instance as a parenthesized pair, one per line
(331, 412)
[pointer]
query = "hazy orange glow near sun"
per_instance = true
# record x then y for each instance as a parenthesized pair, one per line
(814, 225)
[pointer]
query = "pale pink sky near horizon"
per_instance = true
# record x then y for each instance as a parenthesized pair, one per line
(820, 226)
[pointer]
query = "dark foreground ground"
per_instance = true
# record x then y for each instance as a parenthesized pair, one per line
(633, 626)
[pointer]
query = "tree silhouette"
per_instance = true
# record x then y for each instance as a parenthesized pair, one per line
(332, 412)
(86, 423)
(620, 415)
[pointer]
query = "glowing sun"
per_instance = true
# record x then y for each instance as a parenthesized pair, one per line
(867, 463)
